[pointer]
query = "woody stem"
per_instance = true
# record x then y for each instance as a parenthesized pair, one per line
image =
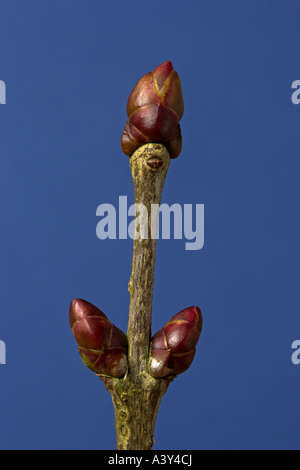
(137, 397)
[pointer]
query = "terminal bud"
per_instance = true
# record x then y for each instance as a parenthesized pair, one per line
(154, 109)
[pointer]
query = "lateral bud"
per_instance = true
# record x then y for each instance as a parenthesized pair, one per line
(173, 347)
(102, 346)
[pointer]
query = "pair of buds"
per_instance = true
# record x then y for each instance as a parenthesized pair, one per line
(103, 347)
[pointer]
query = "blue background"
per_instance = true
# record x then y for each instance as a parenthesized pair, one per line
(69, 67)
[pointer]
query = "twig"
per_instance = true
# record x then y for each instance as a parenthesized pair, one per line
(137, 397)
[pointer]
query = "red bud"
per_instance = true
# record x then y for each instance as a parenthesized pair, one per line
(102, 346)
(154, 109)
(173, 346)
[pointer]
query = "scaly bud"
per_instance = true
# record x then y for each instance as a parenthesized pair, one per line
(102, 346)
(172, 348)
(154, 109)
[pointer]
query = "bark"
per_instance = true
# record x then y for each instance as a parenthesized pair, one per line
(137, 396)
